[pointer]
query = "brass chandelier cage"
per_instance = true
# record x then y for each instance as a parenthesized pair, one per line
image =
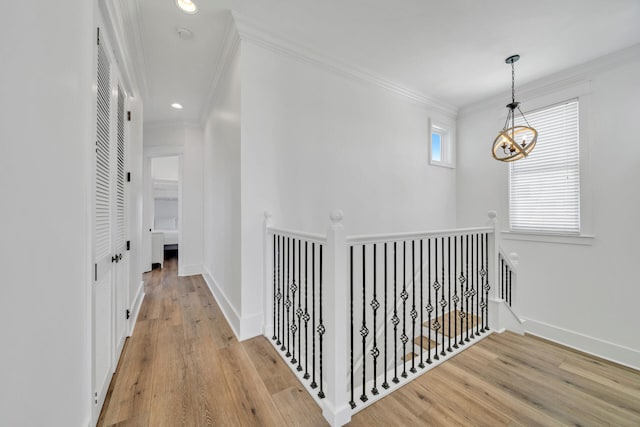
(514, 142)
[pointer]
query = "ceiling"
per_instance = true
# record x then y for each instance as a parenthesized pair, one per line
(452, 51)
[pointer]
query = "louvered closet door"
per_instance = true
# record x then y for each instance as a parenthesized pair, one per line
(102, 292)
(121, 285)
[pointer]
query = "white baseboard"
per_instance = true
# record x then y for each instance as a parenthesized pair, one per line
(189, 270)
(251, 326)
(606, 350)
(225, 305)
(244, 327)
(135, 309)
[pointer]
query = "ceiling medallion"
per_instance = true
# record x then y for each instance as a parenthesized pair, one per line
(514, 142)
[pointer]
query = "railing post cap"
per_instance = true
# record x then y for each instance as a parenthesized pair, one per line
(492, 214)
(267, 215)
(336, 216)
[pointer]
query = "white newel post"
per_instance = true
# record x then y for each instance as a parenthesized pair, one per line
(336, 409)
(494, 301)
(268, 276)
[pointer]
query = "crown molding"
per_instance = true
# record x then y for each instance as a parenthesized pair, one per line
(250, 32)
(230, 47)
(569, 77)
(124, 21)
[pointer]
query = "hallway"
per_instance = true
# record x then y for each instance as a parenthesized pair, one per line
(184, 367)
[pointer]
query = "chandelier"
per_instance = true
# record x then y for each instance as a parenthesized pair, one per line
(514, 142)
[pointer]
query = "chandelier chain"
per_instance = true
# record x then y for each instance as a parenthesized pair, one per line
(513, 83)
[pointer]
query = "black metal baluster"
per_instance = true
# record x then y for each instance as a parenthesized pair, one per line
(306, 314)
(501, 277)
(274, 288)
(429, 305)
(395, 320)
(285, 287)
(510, 285)
(443, 302)
(421, 267)
(414, 313)
(466, 290)
(313, 315)
(449, 289)
(487, 287)
(288, 300)
(352, 401)
(279, 294)
(299, 311)
(404, 295)
(436, 287)
(471, 287)
(375, 305)
(294, 288)
(385, 384)
(364, 331)
(476, 294)
(321, 329)
(483, 303)
(455, 297)
(462, 279)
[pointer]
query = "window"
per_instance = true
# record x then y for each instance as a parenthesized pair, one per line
(545, 186)
(440, 146)
(436, 146)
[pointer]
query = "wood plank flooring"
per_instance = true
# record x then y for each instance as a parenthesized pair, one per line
(184, 367)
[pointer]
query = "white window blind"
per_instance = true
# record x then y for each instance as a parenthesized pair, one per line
(545, 186)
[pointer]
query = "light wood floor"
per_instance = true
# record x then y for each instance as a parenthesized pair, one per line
(184, 367)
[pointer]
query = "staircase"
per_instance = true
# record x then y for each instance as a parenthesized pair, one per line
(367, 314)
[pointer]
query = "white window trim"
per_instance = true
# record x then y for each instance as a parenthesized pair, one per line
(447, 144)
(537, 99)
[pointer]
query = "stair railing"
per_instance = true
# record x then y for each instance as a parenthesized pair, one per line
(327, 296)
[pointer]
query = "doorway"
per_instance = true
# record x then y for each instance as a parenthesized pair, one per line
(162, 210)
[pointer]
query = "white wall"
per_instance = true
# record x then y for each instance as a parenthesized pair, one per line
(222, 194)
(134, 161)
(46, 102)
(166, 168)
(314, 140)
(583, 296)
(187, 139)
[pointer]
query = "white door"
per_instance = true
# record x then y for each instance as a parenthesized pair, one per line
(110, 293)
(103, 256)
(121, 277)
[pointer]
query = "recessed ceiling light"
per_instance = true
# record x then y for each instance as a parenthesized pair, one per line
(177, 106)
(187, 6)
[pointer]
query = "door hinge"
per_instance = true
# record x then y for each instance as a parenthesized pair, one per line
(128, 116)
(128, 245)
(128, 314)
(98, 36)
(128, 176)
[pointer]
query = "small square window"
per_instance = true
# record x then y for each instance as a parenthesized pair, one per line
(436, 146)
(441, 146)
